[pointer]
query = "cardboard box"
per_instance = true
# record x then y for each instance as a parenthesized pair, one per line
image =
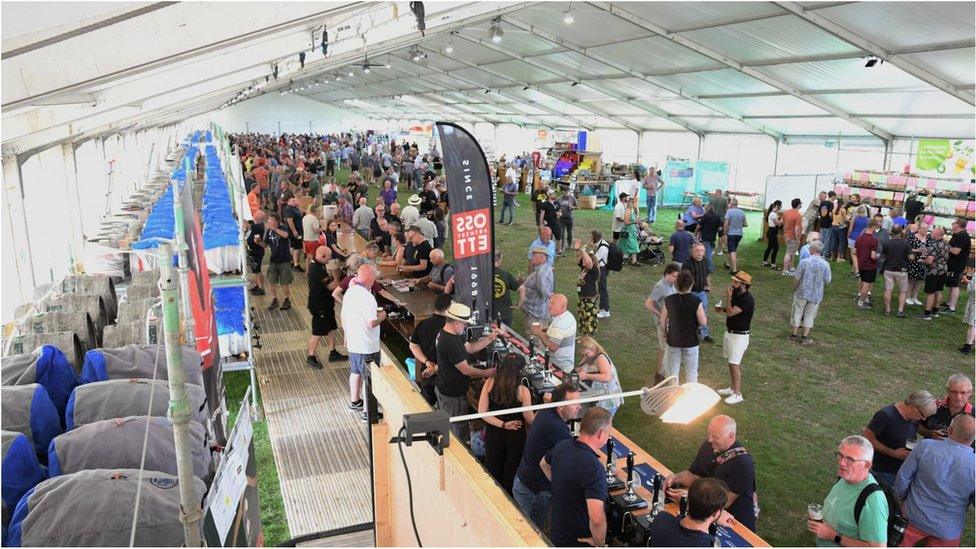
(587, 202)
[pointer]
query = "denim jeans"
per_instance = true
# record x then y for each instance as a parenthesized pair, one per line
(651, 208)
(703, 331)
(510, 208)
(534, 505)
(839, 244)
(709, 249)
(681, 358)
(827, 238)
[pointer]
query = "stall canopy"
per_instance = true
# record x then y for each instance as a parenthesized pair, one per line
(72, 71)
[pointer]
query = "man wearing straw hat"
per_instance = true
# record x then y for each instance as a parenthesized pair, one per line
(411, 212)
(453, 371)
(738, 309)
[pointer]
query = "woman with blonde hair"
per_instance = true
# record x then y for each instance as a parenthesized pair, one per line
(597, 370)
(311, 230)
(857, 226)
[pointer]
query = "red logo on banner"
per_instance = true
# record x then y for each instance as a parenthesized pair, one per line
(472, 233)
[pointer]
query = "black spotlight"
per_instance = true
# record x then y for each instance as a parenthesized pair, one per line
(418, 11)
(301, 60)
(325, 41)
(872, 61)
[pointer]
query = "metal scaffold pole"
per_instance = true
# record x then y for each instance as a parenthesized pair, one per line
(179, 408)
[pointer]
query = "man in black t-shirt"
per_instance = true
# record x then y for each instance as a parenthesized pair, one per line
(423, 347)
(709, 225)
(255, 252)
(293, 219)
(914, 206)
(417, 263)
(504, 285)
(453, 371)
(279, 265)
(959, 246)
(891, 429)
(739, 308)
(959, 388)
(722, 457)
(895, 265)
(321, 306)
(531, 489)
(549, 213)
(706, 506)
(579, 484)
(697, 265)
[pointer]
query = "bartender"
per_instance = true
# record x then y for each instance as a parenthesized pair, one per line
(417, 259)
(423, 347)
(454, 372)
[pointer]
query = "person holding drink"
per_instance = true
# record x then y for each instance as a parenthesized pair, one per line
(835, 523)
(739, 307)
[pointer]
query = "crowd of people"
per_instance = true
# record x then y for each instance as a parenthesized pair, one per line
(557, 480)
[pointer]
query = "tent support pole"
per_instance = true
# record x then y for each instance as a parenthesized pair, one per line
(179, 408)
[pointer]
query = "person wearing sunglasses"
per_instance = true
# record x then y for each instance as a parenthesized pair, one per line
(892, 432)
(839, 526)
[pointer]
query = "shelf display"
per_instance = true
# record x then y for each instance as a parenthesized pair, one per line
(950, 197)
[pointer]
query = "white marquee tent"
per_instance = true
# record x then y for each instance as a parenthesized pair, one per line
(94, 92)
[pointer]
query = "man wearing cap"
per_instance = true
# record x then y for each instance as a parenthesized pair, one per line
(891, 428)
(536, 289)
(410, 213)
(738, 309)
(417, 264)
(453, 371)
(545, 241)
(549, 216)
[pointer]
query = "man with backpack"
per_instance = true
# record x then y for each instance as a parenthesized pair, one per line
(609, 258)
(855, 512)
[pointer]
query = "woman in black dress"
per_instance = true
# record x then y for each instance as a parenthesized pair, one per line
(505, 434)
(917, 242)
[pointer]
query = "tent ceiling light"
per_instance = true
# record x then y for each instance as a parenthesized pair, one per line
(568, 15)
(496, 30)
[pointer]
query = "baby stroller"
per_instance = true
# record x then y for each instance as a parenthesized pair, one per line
(649, 245)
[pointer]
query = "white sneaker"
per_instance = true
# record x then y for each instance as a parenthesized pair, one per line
(603, 314)
(720, 252)
(734, 399)
(725, 392)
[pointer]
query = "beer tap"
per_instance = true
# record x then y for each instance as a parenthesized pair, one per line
(613, 483)
(630, 496)
(658, 501)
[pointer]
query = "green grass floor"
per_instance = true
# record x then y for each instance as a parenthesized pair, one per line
(800, 400)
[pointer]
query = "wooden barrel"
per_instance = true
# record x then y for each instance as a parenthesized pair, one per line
(80, 323)
(68, 342)
(100, 285)
(94, 305)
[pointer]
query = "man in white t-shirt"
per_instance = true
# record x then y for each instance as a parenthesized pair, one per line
(619, 211)
(560, 337)
(361, 324)
(511, 174)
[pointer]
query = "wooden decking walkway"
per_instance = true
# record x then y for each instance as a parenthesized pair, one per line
(319, 445)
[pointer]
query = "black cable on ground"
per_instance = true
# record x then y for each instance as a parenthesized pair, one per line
(413, 521)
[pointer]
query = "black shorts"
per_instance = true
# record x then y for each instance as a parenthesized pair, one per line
(934, 283)
(296, 243)
(733, 242)
(323, 323)
(952, 279)
(869, 275)
(254, 264)
(721, 232)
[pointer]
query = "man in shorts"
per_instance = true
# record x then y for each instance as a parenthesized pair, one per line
(959, 245)
(866, 247)
(361, 324)
(739, 307)
(735, 222)
(280, 274)
(895, 269)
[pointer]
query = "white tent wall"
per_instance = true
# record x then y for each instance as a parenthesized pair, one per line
(828, 155)
(656, 147)
(275, 113)
(750, 158)
(67, 190)
(618, 146)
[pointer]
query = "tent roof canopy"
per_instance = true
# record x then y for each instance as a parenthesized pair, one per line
(776, 68)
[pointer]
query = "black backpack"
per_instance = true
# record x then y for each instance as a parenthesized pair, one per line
(896, 523)
(615, 257)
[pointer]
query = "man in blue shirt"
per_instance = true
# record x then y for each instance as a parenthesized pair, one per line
(679, 246)
(531, 490)
(579, 484)
(544, 240)
(936, 484)
(706, 504)
(812, 275)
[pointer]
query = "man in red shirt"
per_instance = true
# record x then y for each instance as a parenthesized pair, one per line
(792, 229)
(866, 246)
